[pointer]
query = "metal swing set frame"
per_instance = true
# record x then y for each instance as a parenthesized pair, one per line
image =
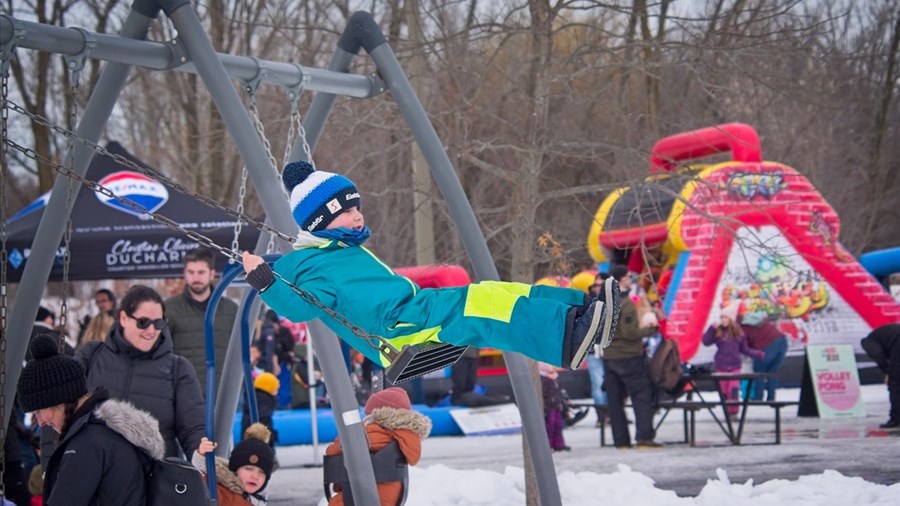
(193, 52)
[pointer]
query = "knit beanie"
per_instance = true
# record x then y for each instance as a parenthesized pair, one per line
(267, 382)
(317, 197)
(394, 397)
(50, 379)
(43, 313)
(618, 272)
(254, 450)
(731, 311)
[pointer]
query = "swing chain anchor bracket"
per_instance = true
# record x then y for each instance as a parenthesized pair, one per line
(250, 86)
(378, 86)
(294, 91)
(178, 52)
(9, 47)
(75, 62)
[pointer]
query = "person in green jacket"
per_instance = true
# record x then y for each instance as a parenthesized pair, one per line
(626, 373)
(548, 324)
(186, 313)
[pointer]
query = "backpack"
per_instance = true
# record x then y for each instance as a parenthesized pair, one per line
(665, 369)
(174, 482)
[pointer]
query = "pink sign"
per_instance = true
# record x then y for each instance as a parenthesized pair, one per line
(836, 380)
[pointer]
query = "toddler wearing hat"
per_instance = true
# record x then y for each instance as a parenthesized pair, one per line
(389, 417)
(549, 324)
(730, 344)
(241, 479)
(265, 386)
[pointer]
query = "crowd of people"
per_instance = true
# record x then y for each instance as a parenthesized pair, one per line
(136, 369)
(122, 386)
(134, 378)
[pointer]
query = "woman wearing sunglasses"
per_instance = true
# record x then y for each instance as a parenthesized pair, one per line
(136, 363)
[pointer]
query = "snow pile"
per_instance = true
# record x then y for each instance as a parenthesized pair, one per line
(442, 486)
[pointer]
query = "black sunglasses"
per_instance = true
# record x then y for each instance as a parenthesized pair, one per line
(144, 322)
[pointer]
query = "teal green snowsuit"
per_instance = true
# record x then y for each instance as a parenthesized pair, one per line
(352, 281)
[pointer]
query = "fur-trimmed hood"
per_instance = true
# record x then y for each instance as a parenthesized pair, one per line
(393, 418)
(227, 477)
(140, 428)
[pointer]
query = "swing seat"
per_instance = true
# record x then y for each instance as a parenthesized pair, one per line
(420, 359)
(389, 465)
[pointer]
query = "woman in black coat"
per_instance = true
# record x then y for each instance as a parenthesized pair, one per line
(136, 363)
(105, 444)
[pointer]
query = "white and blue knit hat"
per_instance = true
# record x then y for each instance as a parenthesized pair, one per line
(317, 197)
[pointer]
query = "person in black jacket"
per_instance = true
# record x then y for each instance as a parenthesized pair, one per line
(45, 323)
(284, 350)
(106, 444)
(136, 363)
(883, 345)
(265, 386)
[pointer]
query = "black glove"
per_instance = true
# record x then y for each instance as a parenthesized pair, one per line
(261, 277)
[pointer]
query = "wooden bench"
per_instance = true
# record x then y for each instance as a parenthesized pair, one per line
(603, 414)
(689, 409)
(777, 406)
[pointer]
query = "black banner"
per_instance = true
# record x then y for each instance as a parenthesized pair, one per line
(111, 241)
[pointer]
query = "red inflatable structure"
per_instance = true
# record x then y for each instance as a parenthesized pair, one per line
(742, 230)
(436, 276)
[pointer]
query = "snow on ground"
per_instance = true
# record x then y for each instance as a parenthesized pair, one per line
(821, 462)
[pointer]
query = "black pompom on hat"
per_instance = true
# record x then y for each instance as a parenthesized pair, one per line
(50, 379)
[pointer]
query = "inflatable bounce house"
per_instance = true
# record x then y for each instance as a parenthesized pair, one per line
(742, 230)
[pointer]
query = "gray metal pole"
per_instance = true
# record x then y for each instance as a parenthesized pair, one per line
(476, 246)
(357, 459)
(263, 175)
(237, 120)
(345, 410)
(166, 56)
(50, 231)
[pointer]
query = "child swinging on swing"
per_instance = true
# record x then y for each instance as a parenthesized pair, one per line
(548, 324)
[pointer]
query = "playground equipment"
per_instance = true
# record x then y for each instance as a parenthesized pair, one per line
(193, 52)
(745, 229)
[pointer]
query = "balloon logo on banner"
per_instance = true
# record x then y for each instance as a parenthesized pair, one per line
(136, 187)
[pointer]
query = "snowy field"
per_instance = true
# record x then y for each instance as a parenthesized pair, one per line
(820, 462)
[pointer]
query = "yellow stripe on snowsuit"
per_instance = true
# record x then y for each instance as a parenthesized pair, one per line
(420, 337)
(494, 299)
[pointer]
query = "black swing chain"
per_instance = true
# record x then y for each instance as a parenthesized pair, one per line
(70, 204)
(4, 166)
(375, 342)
